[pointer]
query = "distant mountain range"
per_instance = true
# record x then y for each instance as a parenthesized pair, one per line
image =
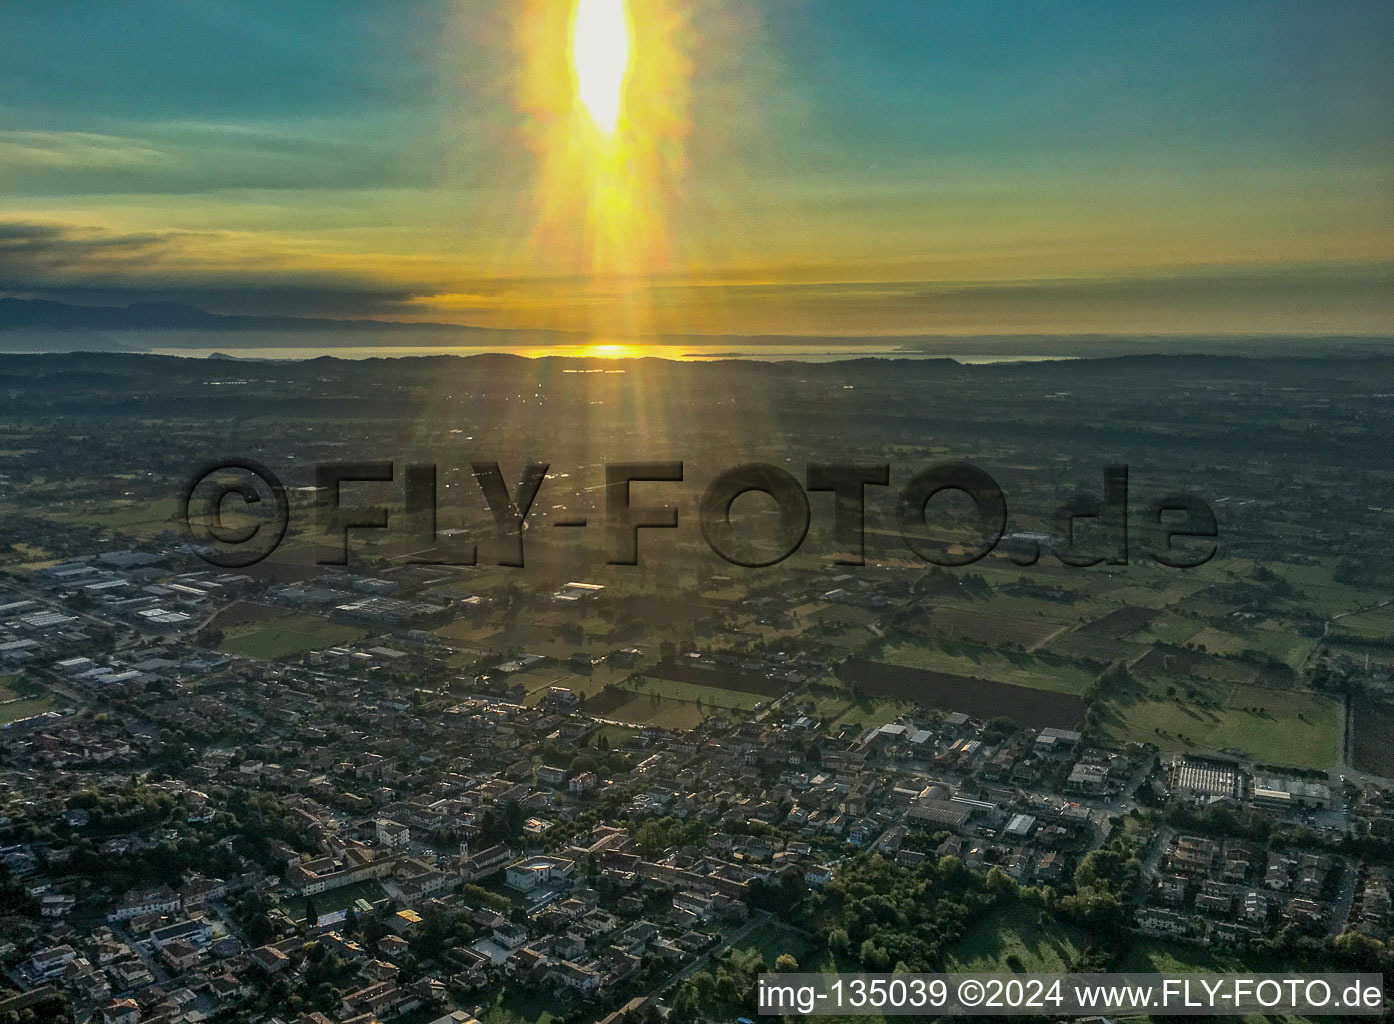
(46, 315)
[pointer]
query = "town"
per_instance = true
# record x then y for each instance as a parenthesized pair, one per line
(404, 792)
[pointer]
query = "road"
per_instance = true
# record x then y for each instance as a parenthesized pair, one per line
(756, 919)
(1150, 863)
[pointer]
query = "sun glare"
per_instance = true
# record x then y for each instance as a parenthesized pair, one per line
(600, 57)
(603, 87)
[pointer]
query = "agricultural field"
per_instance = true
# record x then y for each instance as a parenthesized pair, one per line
(1099, 650)
(537, 679)
(1324, 596)
(244, 613)
(287, 635)
(841, 708)
(1017, 669)
(850, 641)
(1178, 666)
(719, 678)
(1101, 640)
(1289, 727)
(472, 633)
(1375, 625)
(1172, 627)
(1120, 623)
(1214, 641)
(976, 696)
(1372, 741)
(990, 628)
(1279, 640)
(1019, 606)
(692, 693)
(647, 709)
(1159, 594)
(143, 519)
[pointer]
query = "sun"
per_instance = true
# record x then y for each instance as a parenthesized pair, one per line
(600, 59)
(603, 89)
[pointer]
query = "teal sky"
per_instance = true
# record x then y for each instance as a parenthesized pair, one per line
(898, 167)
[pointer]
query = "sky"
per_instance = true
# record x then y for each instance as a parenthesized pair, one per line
(785, 167)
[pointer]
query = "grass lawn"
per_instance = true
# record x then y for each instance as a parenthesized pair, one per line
(511, 1004)
(772, 939)
(20, 699)
(1015, 931)
(13, 711)
(335, 900)
(293, 634)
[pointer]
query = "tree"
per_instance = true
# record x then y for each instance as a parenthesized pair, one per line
(785, 963)
(873, 957)
(838, 941)
(652, 838)
(311, 915)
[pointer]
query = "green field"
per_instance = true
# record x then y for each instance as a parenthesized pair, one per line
(693, 692)
(467, 632)
(1279, 640)
(144, 519)
(14, 710)
(20, 699)
(1289, 727)
(1377, 624)
(1171, 628)
(841, 708)
(614, 735)
(646, 709)
(293, 634)
(1215, 641)
(1003, 667)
